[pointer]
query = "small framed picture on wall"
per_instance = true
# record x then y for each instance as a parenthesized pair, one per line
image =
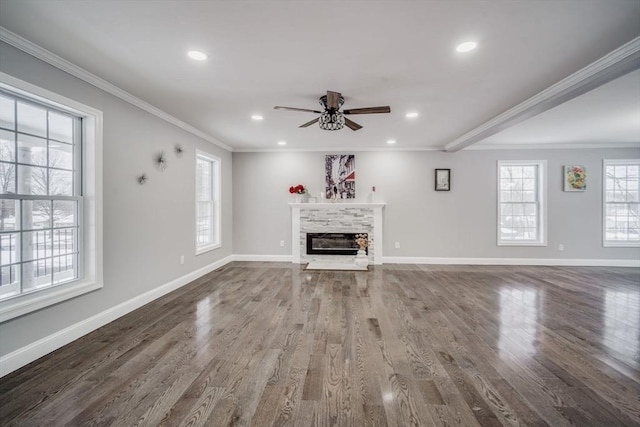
(443, 179)
(575, 178)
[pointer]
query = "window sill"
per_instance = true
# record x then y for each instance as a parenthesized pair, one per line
(622, 244)
(524, 243)
(28, 303)
(203, 249)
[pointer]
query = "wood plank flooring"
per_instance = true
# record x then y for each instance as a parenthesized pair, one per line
(269, 344)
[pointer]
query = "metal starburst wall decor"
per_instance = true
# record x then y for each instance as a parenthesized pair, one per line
(161, 161)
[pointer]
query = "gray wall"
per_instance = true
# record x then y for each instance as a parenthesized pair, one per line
(458, 224)
(146, 228)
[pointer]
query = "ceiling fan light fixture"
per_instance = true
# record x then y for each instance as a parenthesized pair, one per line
(331, 121)
(332, 118)
(324, 101)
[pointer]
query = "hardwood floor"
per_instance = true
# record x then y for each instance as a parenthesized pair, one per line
(271, 344)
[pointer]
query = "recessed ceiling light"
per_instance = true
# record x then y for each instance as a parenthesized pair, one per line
(257, 117)
(466, 46)
(411, 115)
(391, 141)
(197, 55)
(282, 142)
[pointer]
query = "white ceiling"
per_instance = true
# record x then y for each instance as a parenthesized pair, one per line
(609, 114)
(397, 53)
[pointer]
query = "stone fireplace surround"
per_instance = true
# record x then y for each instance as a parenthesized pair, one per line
(338, 217)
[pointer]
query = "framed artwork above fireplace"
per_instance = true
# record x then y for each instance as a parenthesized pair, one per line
(340, 176)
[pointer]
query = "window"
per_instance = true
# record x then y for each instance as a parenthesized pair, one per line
(621, 202)
(207, 202)
(47, 146)
(521, 203)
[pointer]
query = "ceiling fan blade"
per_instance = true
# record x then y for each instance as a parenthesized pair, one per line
(309, 123)
(333, 98)
(351, 124)
(368, 110)
(277, 107)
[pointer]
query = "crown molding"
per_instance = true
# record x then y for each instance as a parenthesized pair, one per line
(51, 58)
(477, 147)
(552, 146)
(611, 66)
(333, 149)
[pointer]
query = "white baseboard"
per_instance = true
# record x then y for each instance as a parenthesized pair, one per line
(515, 261)
(471, 261)
(263, 258)
(27, 354)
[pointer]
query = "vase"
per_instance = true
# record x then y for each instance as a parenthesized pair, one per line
(362, 260)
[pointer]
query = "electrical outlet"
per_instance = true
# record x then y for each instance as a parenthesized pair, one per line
(181, 259)
(397, 245)
(561, 247)
(282, 243)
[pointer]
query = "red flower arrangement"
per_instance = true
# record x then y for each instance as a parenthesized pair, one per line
(297, 189)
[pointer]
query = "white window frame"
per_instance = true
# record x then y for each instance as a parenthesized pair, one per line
(90, 236)
(541, 199)
(216, 199)
(605, 242)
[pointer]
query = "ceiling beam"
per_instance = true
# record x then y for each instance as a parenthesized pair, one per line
(616, 64)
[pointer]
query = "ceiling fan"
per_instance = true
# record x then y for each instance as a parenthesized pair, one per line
(332, 118)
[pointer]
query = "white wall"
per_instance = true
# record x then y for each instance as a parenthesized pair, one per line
(146, 228)
(456, 224)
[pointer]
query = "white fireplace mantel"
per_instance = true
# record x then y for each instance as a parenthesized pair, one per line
(337, 205)
(296, 231)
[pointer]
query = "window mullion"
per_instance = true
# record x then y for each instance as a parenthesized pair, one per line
(15, 145)
(78, 183)
(211, 168)
(39, 197)
(53, 270)
(19, 249)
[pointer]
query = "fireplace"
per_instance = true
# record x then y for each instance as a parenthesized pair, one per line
(336, 217)
(332, 244)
